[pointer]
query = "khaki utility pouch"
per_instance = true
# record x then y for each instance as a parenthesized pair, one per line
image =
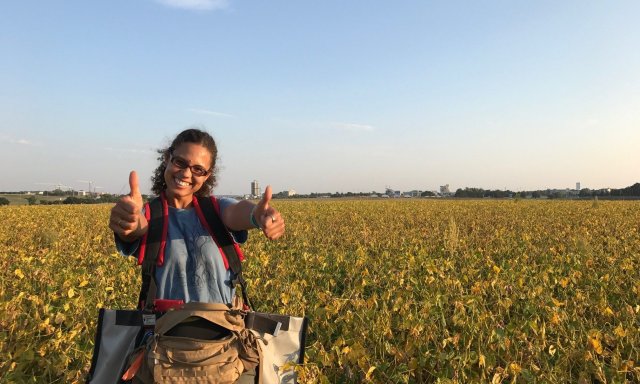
(194, 358)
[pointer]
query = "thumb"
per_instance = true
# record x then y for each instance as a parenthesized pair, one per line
(134, 187)
(263, 204)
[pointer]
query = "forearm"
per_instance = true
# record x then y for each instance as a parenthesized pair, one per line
(237, 217)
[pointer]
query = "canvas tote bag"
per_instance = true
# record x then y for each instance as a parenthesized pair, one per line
(115, 339)
(281, 347)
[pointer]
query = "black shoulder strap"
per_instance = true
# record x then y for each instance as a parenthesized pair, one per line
(152, 248)
(225, 241)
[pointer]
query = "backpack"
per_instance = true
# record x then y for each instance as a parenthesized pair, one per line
(152, 245)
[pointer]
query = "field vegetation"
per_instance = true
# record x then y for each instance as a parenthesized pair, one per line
(397, 291)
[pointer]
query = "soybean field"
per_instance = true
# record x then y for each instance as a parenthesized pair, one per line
(396, 290)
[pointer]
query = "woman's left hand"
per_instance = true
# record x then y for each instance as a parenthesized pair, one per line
(270, 220)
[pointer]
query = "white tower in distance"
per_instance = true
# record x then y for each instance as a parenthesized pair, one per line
(255, 189)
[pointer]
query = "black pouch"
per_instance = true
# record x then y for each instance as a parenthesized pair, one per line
(199, 328)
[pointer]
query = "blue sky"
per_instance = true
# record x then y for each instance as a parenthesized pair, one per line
(323, 96)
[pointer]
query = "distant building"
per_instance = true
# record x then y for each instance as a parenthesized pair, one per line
(444, 190)
(289, 193)
(392, 193)
(578, 186)
(255, 189)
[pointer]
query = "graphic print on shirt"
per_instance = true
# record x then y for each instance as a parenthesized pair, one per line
(193, 253)
(200, 271)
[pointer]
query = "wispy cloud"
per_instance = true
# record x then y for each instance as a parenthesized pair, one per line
(208, 112)
(23, 142)
(353, 127)
(197, 5)
(129, 150)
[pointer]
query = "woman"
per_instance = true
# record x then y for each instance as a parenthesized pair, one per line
(193, 268)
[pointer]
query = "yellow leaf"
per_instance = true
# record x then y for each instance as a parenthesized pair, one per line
(45, 323)
(369, 372)
(481, 361)
(597, 346)
(83, 283)
(71, 293)
(619, 331)
(19, 273)
(552, 350)
(59, 318)
(627, 365)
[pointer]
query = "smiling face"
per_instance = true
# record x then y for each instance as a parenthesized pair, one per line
(181, 181)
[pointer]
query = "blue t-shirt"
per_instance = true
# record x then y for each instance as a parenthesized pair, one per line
(193, 268)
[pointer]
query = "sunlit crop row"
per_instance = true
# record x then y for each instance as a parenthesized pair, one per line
(395, 290)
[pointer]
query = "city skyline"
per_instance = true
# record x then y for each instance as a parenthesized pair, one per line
(323, 97)
(255, 190)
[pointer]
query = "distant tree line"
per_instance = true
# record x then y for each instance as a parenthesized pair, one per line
(55, 192)
(631, 191)
(102, 199)
(315, 195)
(477, 193)
(473, 192)
(480, 193)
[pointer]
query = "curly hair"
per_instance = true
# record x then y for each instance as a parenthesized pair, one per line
(191, 135)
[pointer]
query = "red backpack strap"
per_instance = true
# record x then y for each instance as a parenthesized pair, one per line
(154, 242)
(143, 242)
(152, 246)
(208, 211)
(236, 247)
(206, 217)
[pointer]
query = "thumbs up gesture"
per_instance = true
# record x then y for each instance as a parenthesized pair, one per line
(126, 219)
(267, 217)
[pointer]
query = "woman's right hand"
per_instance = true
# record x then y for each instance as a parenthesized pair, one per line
(126, 219)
